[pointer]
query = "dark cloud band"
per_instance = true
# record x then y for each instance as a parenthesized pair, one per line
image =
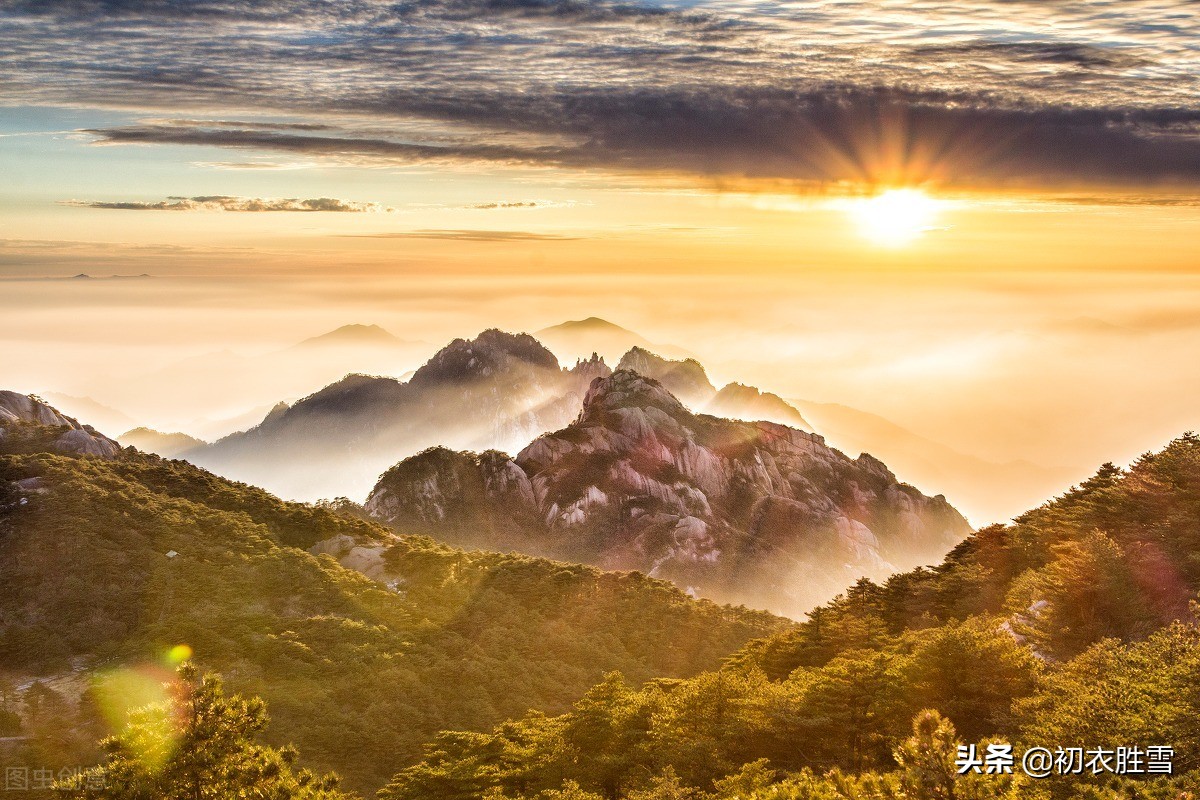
(882, 137)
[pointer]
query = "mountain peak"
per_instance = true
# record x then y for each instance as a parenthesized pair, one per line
(753, 512)
(589, 369)
(591, 324)
(167, 445)
(353, 334)
(628, 389)
(490, 352)
(580, 337)
(685, 378)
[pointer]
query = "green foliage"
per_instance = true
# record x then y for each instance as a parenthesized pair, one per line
(1070, 627)
(1087, 593)
(926, 759)
(1147, 693)
(199, 744)
(970, 671)
(358, 675)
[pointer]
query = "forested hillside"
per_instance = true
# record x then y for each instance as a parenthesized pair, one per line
(108, 563)
(1072, 627)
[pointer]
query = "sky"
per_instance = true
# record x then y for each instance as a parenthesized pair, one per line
(978, 219)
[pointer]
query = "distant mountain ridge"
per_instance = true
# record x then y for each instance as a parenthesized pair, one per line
(968, 479)
(688, 380)
(355, 334)
(96, 413)
(167, 445)
(225, 383)
(499, 390)
(578, 338)
(757, 513)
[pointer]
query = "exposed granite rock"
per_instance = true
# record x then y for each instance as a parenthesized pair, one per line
(686, 378)
(756, 512)
(69, 436)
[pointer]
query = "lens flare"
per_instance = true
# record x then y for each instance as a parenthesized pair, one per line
(178, 654)
(136, 702)
(120, 691)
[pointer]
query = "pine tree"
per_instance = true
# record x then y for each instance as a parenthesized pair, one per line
(927, 758)
(199, 745)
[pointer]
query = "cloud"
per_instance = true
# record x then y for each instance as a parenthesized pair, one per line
(874, 136)
(519, 204)
(255, 165)
(979, 93)
(490, 206)
(351, 148)
(1077, 54)
(1121, 200)
(244, 124)
(239, 204)
(472, 236)
(349, 12)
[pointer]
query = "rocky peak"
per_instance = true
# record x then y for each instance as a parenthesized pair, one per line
(589, 369)
(686, 379)
(754, 512)
(489, 353)
(27, 408)
(276, 412)
(628, 389)
(72, 437)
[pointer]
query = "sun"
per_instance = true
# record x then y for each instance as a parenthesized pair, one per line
(895, 217)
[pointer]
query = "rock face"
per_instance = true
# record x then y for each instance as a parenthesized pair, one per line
(498, 390)
(18, 410)
(752, 512)
(688, 381)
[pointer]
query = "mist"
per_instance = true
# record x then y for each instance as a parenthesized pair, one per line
(1058, 372)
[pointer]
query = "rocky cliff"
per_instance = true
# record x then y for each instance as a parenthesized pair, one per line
(752, 512)
(686, 378)
(688, 381)
(27, 416)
